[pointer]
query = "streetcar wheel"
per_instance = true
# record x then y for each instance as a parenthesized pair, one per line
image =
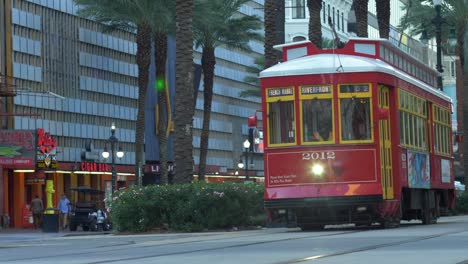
(428, 217)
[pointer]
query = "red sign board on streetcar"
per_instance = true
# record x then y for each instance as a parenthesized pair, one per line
(290, 168)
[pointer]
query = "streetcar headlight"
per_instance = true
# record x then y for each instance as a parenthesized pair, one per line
(317, 169)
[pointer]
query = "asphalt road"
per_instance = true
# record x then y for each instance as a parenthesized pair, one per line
(445, 242)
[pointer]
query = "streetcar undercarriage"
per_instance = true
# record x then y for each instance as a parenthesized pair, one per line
(315, 213)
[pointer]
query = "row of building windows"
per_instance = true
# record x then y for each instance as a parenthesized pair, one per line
(67, 6)
(77, 106)
(26, 45)
(299, 9)
(223, 108)
(26, 19)
(108, 64)
(27, 72)
(215, 125)
(214, 143)
(107, 41)
(73, 129)
(108, 87)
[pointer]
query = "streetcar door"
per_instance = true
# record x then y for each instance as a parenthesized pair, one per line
(385, 144)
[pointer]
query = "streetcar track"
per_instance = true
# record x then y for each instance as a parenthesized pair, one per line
(111, 248)
(362, 249)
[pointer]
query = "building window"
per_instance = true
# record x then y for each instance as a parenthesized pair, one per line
(342, 22)
(328, 12)
(324, 18)
(333, 13)
(299, 38)
(338, 19)
(298, 9)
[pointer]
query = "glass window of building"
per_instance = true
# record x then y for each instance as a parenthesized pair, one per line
(298, 9)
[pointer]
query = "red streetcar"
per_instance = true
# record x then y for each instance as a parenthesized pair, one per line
(355, 135)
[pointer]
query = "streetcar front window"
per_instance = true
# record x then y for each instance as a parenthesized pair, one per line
(281, 125)
(355, 119)
(317, 120)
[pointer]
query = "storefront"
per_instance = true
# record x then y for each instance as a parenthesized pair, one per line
(31, 171)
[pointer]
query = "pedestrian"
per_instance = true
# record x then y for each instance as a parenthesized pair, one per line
(64, 209)
(37, 208)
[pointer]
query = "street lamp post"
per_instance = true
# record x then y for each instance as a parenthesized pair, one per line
(246, 147)
(105, 154)
(438, 24)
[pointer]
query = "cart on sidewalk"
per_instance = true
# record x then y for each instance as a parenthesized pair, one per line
(87, 211)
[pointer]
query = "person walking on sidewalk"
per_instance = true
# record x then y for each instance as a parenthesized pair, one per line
(64, 209)
(36, 208)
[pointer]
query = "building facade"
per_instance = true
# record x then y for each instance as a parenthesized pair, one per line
(72, 80)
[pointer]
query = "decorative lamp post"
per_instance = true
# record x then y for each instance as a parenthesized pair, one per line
(438, 24)
(105, 154)
(246, 147)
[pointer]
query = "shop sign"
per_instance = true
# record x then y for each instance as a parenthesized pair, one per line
(17, 149)
(32, 178)
(46, 150)
(155, 169)
(94, 167)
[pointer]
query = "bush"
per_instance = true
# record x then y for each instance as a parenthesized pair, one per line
(461, 205)
(188, 207)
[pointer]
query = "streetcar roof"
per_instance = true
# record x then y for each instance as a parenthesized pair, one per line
(342, 63)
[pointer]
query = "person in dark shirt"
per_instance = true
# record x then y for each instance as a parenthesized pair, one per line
(37, 208)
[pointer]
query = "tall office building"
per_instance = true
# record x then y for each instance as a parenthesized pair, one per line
(72, 81)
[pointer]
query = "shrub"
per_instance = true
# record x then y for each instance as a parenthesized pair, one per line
(188, 207)
(461, 205)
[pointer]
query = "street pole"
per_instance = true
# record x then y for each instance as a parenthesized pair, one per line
(112, 140)
(247, 148)
(246, 164)
(438, 24)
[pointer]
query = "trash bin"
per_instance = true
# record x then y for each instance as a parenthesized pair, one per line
(50, 222)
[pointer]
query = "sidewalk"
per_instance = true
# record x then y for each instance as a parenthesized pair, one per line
(10, 236)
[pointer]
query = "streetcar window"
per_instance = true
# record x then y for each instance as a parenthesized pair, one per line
(317, 120)
(355, 119)
(281, 125)
(441, 130)
(413, 121)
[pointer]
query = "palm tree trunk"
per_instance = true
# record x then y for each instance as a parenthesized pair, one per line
(462, 48)
(143, 40)
(270, 33)
(160, 56)
(184, 104)
(315, 26)
(360, 9)
(383, 17)
(208, 62)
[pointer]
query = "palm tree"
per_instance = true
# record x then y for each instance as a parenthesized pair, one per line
(383, 17)
(162, 25)
(184, 104)
(259, 65)
(126, 14)
(360, 9)
(217, 22)
(315, 26)
(271, 56)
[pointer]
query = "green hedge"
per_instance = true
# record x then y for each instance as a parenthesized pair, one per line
(188, 207)
(461, 204)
